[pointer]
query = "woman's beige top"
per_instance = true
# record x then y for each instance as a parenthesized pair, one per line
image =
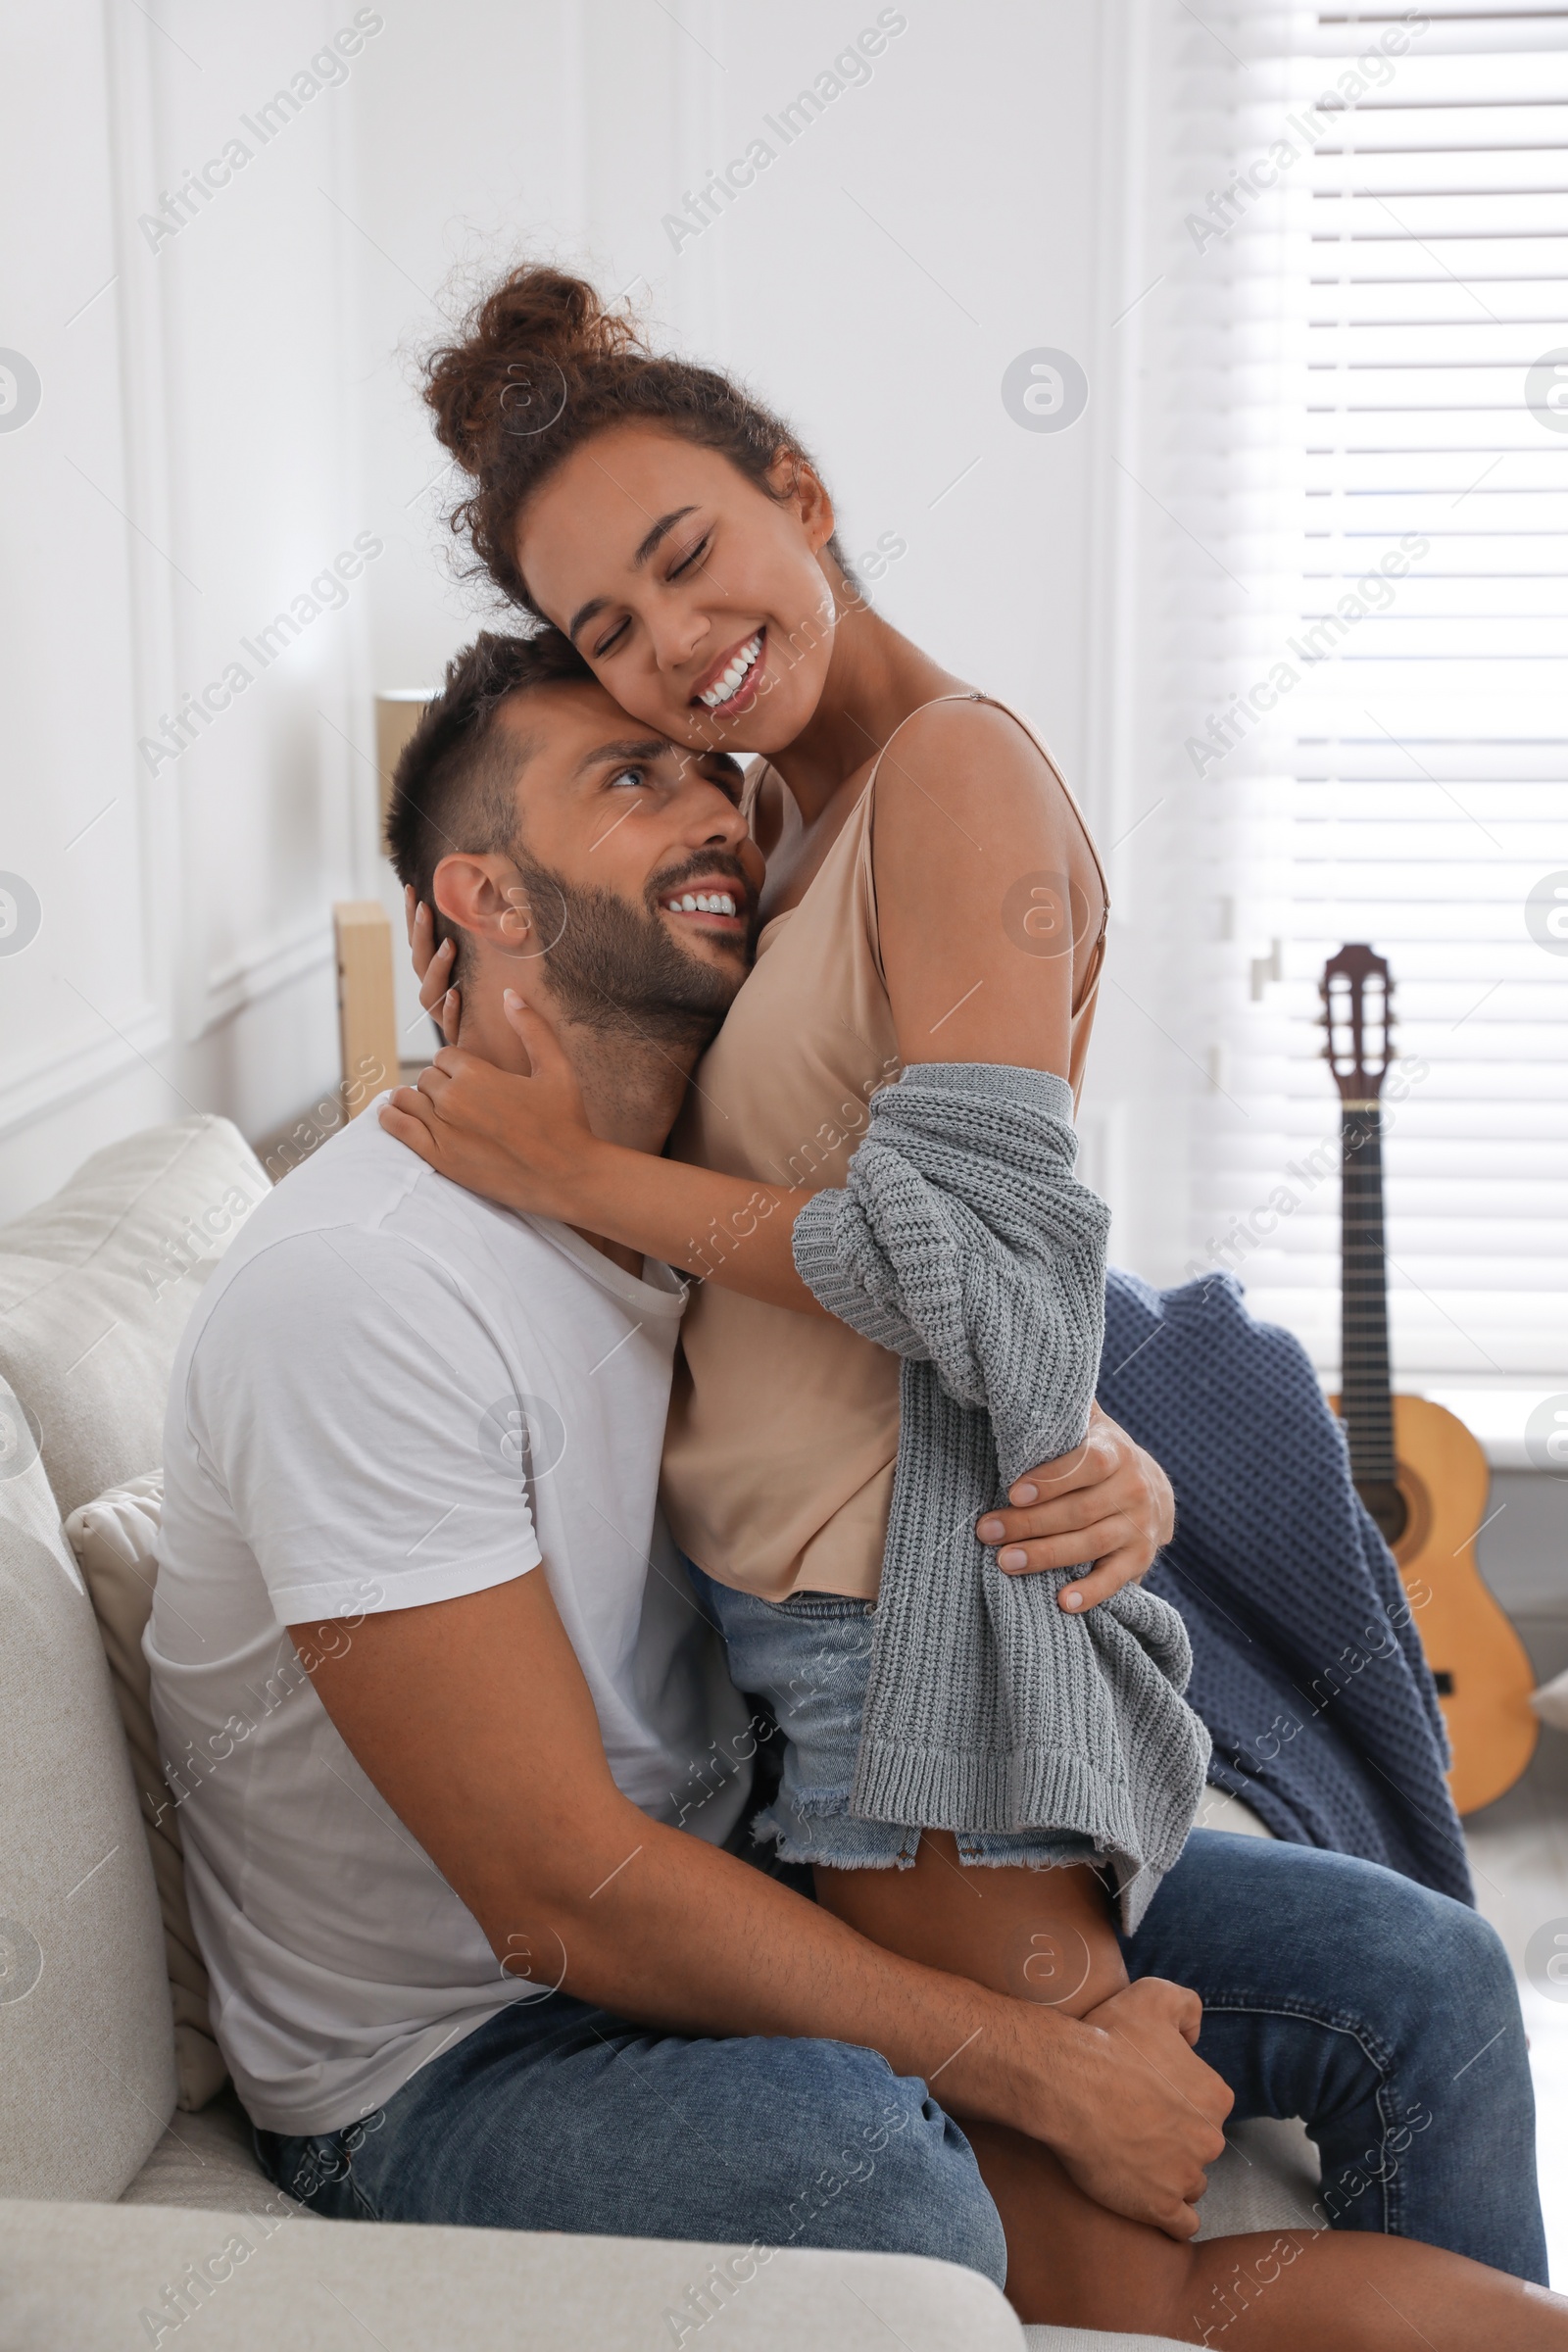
(784, 1428)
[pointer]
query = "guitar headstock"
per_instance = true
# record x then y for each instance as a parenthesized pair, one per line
(1357, 1021)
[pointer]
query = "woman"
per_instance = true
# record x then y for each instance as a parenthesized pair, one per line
(932, 900)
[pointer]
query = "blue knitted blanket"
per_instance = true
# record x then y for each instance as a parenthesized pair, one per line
(1307, 1664)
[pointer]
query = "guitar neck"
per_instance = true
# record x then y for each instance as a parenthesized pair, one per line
(1366, 1402)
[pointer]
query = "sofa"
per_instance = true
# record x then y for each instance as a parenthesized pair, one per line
(133, 2210)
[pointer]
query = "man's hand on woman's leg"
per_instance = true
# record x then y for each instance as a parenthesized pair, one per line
(1132, 2113)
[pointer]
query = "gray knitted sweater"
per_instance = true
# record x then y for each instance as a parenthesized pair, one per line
(962, 1242)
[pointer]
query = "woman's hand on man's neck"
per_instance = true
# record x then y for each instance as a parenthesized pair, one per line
(633, 1087)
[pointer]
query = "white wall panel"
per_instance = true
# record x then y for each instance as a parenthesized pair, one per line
(77, 1002)
(190, 471)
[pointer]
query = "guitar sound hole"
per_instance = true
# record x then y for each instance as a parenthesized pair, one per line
(1390, 1513)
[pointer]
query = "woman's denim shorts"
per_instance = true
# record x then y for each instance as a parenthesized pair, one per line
(810, 1658)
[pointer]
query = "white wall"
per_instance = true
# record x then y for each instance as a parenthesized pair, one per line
(244, 401)
(190, 469)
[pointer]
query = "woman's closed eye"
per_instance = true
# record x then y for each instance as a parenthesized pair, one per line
(692, 556)
(612, 639)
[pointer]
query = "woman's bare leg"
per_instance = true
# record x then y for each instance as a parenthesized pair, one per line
(1072, 2263)
(1040, 1934)
(1048, 1935)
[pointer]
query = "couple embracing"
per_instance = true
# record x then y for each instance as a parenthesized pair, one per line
(767, 1818)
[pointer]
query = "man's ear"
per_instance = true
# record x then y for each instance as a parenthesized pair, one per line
(795, 477)
(484, 896)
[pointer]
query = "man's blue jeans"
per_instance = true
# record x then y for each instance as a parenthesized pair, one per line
(1332, 1990)
(1385, 2015)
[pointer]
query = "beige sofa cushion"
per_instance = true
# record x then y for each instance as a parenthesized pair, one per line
(1269, 2178)
(83, 2278)
(116, 1544)
(86, 2051)
(95, 1286)
(208, 2161)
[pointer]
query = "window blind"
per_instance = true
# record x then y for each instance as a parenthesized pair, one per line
(1367, 455)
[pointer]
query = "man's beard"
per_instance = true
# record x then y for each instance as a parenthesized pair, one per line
(613, 967)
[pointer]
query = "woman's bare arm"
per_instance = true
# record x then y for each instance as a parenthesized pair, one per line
(987, 893)
(526, 1143)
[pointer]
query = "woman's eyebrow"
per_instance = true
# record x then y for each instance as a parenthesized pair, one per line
(585, 612)
(660, 530)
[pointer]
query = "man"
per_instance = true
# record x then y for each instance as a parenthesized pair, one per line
(457, 1839)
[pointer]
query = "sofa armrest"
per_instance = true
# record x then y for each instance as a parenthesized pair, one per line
(104, 2278)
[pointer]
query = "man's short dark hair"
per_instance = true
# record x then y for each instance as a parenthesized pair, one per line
(455, 784)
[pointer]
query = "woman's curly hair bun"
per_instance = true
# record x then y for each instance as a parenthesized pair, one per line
(542, 366)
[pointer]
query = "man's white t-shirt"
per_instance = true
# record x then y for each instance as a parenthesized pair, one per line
(393, 1392)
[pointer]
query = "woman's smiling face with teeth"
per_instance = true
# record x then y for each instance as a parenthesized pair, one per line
(727, 688)
(696, 597)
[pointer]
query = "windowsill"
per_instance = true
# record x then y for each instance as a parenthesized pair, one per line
(1497, 1416)
(1494, 1416)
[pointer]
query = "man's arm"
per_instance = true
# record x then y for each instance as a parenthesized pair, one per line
(473, 1719)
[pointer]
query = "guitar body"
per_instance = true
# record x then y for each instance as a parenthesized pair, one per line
(1469, 1642)
(1483, 1673)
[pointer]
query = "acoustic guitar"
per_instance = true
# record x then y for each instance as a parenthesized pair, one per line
(1416, 1467)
